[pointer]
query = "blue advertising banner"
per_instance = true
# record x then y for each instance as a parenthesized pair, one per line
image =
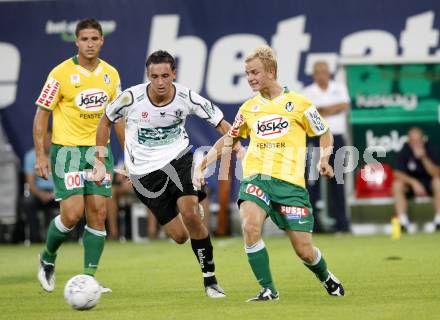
(210, 40)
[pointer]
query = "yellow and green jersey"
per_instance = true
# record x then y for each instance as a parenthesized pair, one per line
(78, 97)
(277, 129)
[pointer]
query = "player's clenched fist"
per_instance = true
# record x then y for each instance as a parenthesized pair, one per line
(325, 169)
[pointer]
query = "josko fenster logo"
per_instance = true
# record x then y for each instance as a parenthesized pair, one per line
(271, 126)
(91, 100)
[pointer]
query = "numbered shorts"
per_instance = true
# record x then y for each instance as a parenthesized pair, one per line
(69, 166)
(288, 205)
(160, 191)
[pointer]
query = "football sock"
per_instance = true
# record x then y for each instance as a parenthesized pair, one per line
(259, 260)
(93, 241)
(203, 251)
(437, 218)
(56, 235)
(318, 266)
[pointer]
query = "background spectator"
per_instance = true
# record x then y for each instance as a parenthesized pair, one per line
(417, 173)
(332, 101)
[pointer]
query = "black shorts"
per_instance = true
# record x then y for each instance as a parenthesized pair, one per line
(426, 182)
(164, 206)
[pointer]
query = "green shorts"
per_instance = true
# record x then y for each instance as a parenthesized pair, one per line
(69, 166)
(288, 205)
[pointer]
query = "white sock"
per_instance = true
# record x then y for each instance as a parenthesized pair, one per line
(98, 233)
(259, 245)
(60, 226)
(318, 257)
(403, 219)
(437, 218)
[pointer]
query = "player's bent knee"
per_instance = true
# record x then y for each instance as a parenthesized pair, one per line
(305, 256)
(305, 253)
(70, 220)
(251, 230)
(192, 220)
(101, 214)
(180, 238)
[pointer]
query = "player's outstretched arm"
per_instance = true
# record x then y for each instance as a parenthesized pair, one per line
(41, 120)
(326, 146)
(223, 146)
(223, 127)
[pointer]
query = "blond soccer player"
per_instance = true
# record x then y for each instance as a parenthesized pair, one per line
(277, 121)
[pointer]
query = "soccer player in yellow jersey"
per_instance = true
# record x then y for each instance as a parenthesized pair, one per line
(75, 93)
(277, 121)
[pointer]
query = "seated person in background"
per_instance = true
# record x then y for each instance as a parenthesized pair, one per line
(417, 173)
(39, 196)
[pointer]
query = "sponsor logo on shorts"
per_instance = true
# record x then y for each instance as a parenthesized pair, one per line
(271, 126)
(75, 180)
(92, 99)
(294, 213)
(48, 93)
(256, 191)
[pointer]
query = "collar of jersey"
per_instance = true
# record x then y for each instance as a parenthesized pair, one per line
(277, 99)
(155, 105)
(84, 71)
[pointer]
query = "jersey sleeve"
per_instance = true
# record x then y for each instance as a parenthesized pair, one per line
(117, 90)
(314, 124)
(119, 107)
(239, 128)
(205, 109)
(50, 94)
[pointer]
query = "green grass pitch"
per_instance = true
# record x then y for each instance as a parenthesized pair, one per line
(384, 279)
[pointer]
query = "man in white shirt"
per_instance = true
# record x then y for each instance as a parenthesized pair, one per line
(332, 101)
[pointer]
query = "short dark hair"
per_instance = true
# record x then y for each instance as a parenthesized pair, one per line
(88, 23)
(161, 56)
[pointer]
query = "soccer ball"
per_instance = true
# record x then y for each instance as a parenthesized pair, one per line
(82, 292)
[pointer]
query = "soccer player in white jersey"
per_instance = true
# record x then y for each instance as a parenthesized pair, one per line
(277, 121)
(158, 157)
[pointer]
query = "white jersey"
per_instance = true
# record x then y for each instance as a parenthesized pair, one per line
(154, 136)
(335, 93)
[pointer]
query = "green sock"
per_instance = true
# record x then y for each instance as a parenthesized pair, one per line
(318, 267)
(56, 235)
(93, 241)
(259, 260)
